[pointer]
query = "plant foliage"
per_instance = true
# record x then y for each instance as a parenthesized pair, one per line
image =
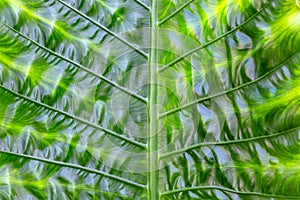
(140, 99)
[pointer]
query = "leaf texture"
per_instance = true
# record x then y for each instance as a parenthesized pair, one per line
(140, 99)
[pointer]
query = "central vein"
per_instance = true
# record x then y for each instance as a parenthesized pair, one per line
(153, 163)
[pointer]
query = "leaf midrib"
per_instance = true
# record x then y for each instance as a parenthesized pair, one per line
(152, 150)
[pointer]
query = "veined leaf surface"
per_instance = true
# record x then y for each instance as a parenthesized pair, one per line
(138, 99)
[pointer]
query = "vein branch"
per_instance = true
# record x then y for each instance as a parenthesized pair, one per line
(222, 143)
(104, 28)
(142, 4)
(275, 68)
(175, 12)
(224, 189)
(110, 132)
(125, 90)
(214, 40)
(74, 166)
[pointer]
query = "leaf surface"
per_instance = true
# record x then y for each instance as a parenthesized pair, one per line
(138, 99)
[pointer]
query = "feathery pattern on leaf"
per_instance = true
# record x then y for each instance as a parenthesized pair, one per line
(149, 99)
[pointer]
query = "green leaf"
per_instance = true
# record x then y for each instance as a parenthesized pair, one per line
(149, 99)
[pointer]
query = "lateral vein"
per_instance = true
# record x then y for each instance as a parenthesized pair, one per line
(162, 115)
(222, 143)
(125, 90)
(212, 187)
(74, 166)
(142, 4)
(110, 132)
(104, 28)
(214, 40)
(175, 12)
